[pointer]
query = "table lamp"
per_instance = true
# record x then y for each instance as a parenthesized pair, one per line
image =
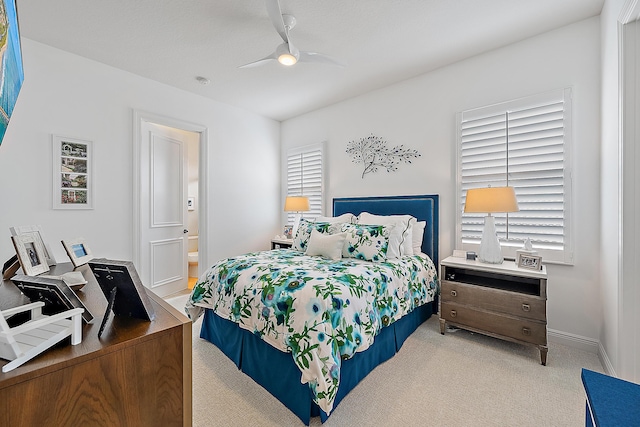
(490, 200)
(296, 204)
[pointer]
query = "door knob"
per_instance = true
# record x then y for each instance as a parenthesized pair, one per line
(185, 231)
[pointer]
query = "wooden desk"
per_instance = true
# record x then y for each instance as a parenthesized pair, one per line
(137, 374)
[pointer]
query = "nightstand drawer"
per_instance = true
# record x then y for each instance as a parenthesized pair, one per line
(530, 331)
(506, 302)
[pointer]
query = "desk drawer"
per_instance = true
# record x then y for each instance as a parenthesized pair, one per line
(531, 331)
(512, 303)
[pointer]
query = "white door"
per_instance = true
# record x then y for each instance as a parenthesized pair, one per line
(163, 208)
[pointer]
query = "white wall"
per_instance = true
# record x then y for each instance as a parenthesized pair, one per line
(71, 96)
(420, 113)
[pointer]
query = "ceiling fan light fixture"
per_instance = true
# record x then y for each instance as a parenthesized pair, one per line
(287, 59)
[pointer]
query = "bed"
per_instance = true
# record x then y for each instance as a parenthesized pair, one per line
(311, 328)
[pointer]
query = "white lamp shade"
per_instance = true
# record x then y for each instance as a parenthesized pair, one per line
(296, 204)
(491, 200)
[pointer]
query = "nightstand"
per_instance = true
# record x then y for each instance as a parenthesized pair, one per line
(281, 243)
(499, 300)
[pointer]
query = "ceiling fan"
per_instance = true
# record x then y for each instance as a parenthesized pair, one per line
(286, 53)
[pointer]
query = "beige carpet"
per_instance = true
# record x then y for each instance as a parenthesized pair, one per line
(459, 379)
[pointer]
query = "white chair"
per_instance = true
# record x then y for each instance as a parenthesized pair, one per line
(24, 342)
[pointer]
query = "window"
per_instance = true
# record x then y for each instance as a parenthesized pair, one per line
(524, 144)
(305, 178)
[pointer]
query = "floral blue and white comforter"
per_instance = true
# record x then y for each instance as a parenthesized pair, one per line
(322, 311)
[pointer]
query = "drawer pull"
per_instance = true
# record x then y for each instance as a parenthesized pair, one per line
(526, 331)
(526, 307)
(454, 293)
(453, 313)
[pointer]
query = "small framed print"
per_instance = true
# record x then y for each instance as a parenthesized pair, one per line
(30, 252)
(72, 173)
(288, 231)
(78, 251)
(531, 262)
(37, 235)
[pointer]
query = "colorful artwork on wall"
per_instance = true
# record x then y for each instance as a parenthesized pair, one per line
(11, 71)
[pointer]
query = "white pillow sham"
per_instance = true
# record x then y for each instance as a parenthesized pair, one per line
(326, 245)
(346, 217)
(417, 235)
(400, 238)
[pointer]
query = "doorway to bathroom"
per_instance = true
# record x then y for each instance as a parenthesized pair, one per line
(170, 211)
(193, 177)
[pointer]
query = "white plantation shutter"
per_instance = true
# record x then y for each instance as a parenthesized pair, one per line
(524, 144)
(305, 178)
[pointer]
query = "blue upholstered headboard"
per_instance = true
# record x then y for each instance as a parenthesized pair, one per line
(424, 208)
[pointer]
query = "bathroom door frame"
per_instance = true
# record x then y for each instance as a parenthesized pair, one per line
(139, 117)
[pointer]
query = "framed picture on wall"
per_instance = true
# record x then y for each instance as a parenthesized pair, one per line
(72, 173)
(12, 70)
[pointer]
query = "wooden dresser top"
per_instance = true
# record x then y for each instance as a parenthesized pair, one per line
(119, 332)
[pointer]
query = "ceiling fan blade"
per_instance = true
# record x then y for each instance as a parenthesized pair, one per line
(260, 61)
(275, 14)
(290, 47)
(319, 58)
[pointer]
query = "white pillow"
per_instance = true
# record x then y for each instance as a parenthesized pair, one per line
(326, 245)
(400, 239)
(344, 218)
(417, 235)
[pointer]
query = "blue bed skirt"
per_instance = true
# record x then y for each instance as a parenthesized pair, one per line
(281, 377)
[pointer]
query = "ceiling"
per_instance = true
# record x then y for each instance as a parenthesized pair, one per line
(380, 41)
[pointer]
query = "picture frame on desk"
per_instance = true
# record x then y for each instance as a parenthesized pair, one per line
(56, 295)
(131, 299)
(530, 262)
(10, 267)
(125, 293)
(36, 231)
(31, 255)
(78, 251)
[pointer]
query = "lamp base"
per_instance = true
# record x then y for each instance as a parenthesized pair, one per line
(490, 251)
(296, 224)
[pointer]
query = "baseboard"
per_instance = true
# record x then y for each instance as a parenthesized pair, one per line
(606, 362)
(583, 343)
(574, 341)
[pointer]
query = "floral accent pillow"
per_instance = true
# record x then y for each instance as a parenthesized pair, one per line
(301, 240)
(400, 239)
(366, 242)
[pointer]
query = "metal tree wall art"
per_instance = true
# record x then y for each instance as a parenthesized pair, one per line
(373, 152)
